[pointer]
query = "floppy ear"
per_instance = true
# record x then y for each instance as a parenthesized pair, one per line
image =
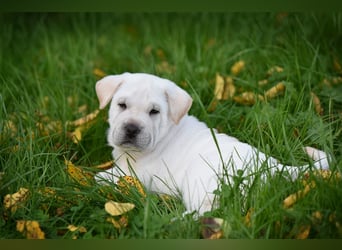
(106, 87)
(179, 102)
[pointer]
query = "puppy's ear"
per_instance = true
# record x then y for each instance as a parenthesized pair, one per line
(179, 102)
(106, 87)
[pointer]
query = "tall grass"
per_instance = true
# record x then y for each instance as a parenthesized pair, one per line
(46, 73)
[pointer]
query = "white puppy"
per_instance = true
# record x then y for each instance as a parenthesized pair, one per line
(169, 151)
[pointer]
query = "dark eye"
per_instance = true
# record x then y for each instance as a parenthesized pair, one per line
(122, 105)
(154, 112)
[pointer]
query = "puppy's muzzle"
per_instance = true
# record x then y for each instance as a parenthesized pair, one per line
(131, 131)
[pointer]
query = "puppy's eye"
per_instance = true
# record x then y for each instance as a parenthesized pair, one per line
(122, 105)
(154, 111)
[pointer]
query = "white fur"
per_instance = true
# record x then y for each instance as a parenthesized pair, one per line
(173, 152)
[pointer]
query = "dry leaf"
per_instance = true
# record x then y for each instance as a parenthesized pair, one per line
(303, 233)
(219, 87)
(274, 69)
(248, 98)
(30, 229)
(263, 82)
(121, 223)
(126, 182)
(99, 73)
(275, 91)
(84, 120)
(317, 103)
(78, 174)
(237, 67)
(248, 217)
(165, 67)
(105, 166)
(116, 208)
(229, 89)
(73, 228)
(13, 201)
(293, 198)
(213, 228)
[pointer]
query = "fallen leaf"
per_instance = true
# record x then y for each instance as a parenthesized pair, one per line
(165, 67)
(78, 174)
(76, 135)
(303, 232)
(263, 82)
(99, 73)
(317, 103)
(105, 166)
(293, 198)
(274, 69)
(73, 228)
(248, 98)
(13, 201)
(237, 67)
(213, 228)
(219, 87)
(229, 88)
(84, 120)
(275, 91)
(126, 182)
(116, 208)
(120, 223)
(248, 217)
(30, 229)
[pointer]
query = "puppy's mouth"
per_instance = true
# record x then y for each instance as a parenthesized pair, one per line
(132, 137)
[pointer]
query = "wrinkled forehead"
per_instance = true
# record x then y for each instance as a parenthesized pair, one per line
(142, 90)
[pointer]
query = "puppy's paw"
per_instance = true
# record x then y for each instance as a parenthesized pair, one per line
(320, 157)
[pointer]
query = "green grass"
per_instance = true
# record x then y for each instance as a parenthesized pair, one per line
(48, 58)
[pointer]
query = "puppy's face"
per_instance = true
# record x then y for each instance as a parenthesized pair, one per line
(143, 108)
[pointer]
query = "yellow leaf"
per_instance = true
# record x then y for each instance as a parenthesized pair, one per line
(214, 228)
(126, 182)
(248, 98)
(237, 67)
(219, 87)
(122, 222)
(105, 166)
(73, 228)
(248, 217)
(263, 82)
(293, 198)
(99, 73)
(165, 67)
(116, 208)
(303, 233)
(275, 69)
(12, 201)
(76, 135)
(84, 120)
(229, 89)
(30, 229)
(317, 103)
(275, 91)
(78, 174)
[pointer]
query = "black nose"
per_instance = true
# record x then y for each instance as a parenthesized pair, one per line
(132, 130)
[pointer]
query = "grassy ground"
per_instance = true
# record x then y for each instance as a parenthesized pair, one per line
(47, 78)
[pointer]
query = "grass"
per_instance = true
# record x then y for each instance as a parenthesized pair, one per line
(46, 74)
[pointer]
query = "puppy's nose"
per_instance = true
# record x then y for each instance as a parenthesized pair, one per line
(132, 130)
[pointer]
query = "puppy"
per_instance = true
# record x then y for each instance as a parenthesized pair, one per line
(169, 151)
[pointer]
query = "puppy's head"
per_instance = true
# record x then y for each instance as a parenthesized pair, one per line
(143, 108)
